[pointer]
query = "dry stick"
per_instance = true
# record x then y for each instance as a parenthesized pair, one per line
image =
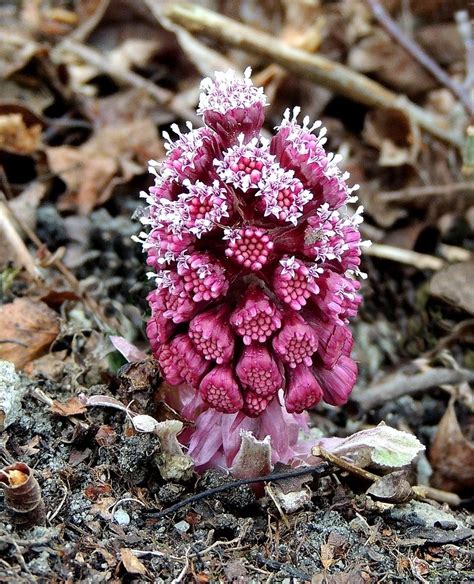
(416, 193)
(420, 491)
(403, 384)
(123, 76)
(419, 54)
(85, 28)
(8, 226)
(421, 261)
(319, 69)
(319, 469)
(53, 260)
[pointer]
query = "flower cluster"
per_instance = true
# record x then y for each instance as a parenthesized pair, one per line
(255, 257)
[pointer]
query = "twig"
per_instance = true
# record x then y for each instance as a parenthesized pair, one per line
(319, 469)
(272, 496)
(126, 77)
(458, 331)
(416, 193)
(54, 260)
(85, 28)
(419, 54)
(405, 384)
(419, 491)
(321, 70)
(425, 492)
(16, 243)
(421, 261)
(344, 464)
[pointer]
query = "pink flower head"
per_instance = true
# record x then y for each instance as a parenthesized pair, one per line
(163, 247)
(258, 371)
(158, 330)
(212, 335)
(297, 148)
(255, 404)
(205, 205)
(190, 156)
(283, 195)
(256, 318)
(304, 391)
(249, 247)
(337, 383)
(296, 342)
(339, 298)
(244, 164)
(294, 282)
(255, 258)
(180, 361)
(335, 339)
(204, 278)
(221, 391)
(171, 299)
(232, 105)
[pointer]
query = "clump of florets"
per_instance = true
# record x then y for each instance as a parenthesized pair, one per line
(255, 258)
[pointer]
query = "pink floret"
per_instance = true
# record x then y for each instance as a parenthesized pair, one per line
(256, 318)
(221, 391)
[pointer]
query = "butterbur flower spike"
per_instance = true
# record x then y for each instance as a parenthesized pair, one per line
(256, 259)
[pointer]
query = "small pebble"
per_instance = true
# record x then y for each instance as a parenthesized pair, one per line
(182, 526)
(122, 517)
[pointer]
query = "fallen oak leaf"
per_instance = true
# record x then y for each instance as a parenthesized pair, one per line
(72, 407)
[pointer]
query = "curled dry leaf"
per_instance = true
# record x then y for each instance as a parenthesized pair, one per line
(392, 488)
(27, 330)
(455, 284)
(22, 494)
(394, 134)
(20, 128)
(16, 136)
(452, 455)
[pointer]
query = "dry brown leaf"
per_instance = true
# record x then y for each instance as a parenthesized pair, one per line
(16, 136)
(27, 329)
(455, 284)
(31, 447)
(112, 156)
(379, 55)
(72, 407)
(393, 133)
(131, 563)
(452, 455)
(443, 42)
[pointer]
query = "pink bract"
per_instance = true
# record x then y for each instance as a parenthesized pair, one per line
(255, 257)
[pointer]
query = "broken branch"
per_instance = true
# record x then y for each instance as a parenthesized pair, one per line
(321, 70)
